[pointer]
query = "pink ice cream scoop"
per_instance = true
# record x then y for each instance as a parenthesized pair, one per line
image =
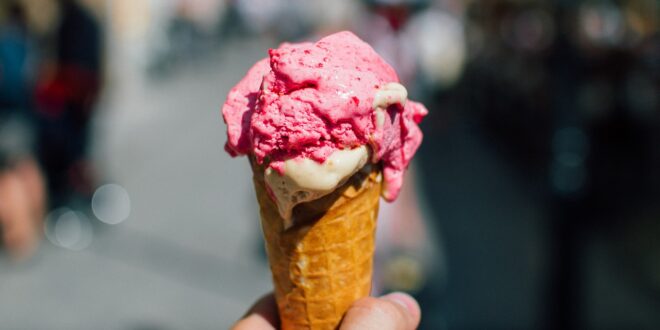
(306, 102)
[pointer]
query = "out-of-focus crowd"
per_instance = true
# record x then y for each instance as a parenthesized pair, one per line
(50, 77)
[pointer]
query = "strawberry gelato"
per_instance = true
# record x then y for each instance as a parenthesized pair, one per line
(315, 113)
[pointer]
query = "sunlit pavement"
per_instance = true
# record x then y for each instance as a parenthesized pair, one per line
(187, 255)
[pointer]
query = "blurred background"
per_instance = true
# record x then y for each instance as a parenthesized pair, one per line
(534, 201)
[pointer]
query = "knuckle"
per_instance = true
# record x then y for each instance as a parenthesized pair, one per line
(378, 307)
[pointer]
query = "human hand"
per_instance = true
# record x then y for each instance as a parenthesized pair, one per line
(395, 311)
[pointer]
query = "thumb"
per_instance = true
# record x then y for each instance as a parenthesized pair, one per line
(395, 311)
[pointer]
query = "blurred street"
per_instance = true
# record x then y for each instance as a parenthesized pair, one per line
(187, 256)
(532, 202)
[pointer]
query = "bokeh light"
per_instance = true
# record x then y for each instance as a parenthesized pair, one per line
(111, 204)
(68, 229)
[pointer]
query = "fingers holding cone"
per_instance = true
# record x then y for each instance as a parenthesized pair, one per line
(395, 311)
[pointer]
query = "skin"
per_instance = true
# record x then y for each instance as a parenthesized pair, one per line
(29, 173)
(395, 311)
(21, 209)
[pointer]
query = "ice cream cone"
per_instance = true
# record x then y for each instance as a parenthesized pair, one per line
(323, 263)
(325, 119)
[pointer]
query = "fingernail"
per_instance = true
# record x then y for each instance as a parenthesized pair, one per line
(404, 300)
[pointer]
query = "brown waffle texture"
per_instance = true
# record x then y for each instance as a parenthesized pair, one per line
(323, 263)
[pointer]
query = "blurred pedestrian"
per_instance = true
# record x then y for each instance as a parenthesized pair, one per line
(66, 96)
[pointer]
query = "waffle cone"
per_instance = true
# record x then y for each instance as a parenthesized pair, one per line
(323, 263)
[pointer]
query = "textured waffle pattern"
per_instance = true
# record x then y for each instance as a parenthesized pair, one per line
(323, 263)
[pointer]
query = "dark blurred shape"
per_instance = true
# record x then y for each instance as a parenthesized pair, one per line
(78, 38)
(14, 49)
(537, 161)
(66, 95)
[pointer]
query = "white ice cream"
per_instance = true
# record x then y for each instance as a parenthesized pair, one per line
(392, 93)
(306, 180)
